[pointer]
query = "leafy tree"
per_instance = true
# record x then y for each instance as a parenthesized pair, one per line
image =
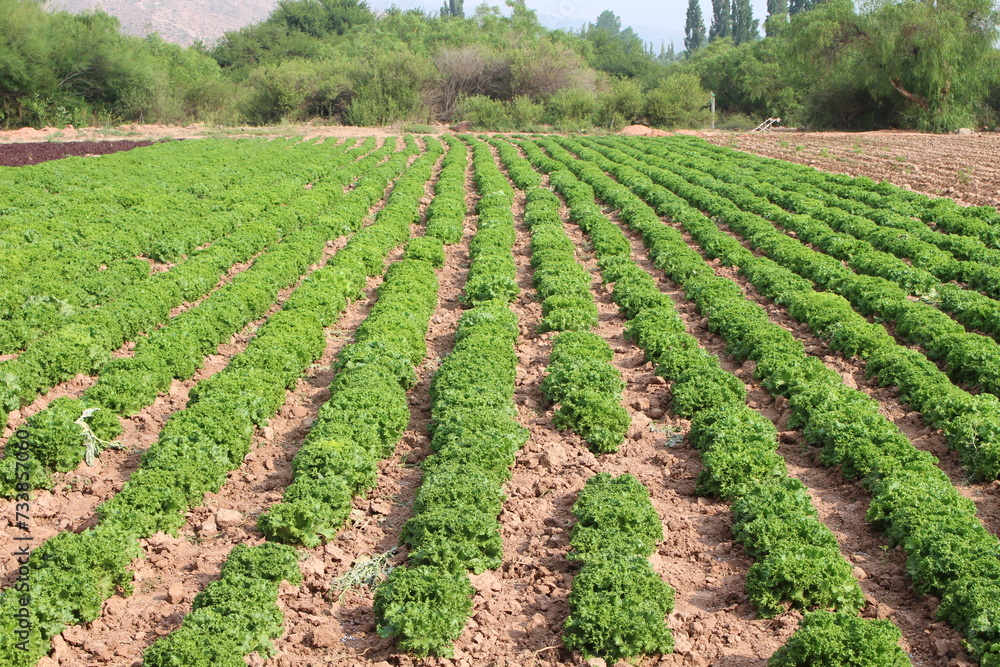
(919, 64)
(796, 6)
(679, 101)
(722, 20)
(694, 28)
(623, 103)
(744, 24)
(320, 17)
(621, 54)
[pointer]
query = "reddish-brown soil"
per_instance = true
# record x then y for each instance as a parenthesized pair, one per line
(21, 154)
(963, 167)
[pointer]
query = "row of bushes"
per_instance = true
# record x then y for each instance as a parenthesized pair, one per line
(677, 101)
(949, 553)
(947, 256)
(446, 212)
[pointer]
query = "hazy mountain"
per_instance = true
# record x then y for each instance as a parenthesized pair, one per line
(186, 21)
(179, 21)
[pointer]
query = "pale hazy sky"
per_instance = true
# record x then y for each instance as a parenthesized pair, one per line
(653, 21)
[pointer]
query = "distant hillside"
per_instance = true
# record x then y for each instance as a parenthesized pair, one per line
(178, 21)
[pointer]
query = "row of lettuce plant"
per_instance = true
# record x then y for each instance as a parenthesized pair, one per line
(797, 558)
(52, 267)
(77, 253)
(880, 202)
(425, 603)
(367, 411)
(359, 424)
(69, 576)
(85, 345)
(969, 421)
(967, 356)
(914, 265)
(235, 615)
(901, 209)
(580, 376)
(70, 430)
(949, 553)
(446, 212)
(617, 604)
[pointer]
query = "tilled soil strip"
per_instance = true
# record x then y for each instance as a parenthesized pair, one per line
(174, 569)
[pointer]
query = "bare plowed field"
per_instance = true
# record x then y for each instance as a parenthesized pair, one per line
(963, 167)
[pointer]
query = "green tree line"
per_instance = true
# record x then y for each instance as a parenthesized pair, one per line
(927, 64)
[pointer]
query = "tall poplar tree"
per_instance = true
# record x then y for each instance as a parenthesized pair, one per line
(694, 28)
(744, 24)
(722, 20)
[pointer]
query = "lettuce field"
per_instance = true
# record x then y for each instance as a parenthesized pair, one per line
(506, 400)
